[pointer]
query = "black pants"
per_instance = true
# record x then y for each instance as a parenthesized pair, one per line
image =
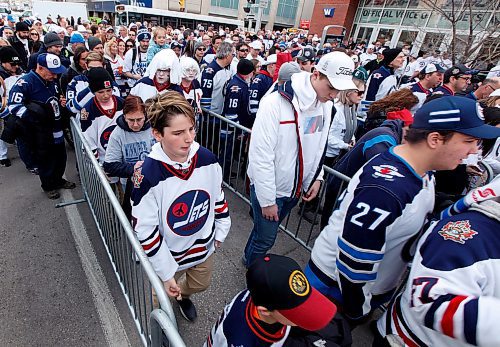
(49, 157)
(51, 163)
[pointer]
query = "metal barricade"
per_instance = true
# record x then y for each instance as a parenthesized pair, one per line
(132, 268)
(229, 141)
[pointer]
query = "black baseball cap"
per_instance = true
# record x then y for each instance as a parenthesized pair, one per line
(454, 113)
(459, 70)
(277, 283)
(306, 54)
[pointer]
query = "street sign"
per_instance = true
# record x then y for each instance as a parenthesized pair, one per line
(305, 24)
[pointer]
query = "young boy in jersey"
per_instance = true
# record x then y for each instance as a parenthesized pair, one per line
(179, 211)
(361, 255)
(277, 297)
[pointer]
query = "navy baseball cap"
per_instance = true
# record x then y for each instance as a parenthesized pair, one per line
(454, 113)
(51, 62)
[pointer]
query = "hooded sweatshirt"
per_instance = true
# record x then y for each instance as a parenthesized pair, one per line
(126, 147)
(288, 141)
(179, 209)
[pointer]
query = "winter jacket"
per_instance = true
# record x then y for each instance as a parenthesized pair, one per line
(282, 164)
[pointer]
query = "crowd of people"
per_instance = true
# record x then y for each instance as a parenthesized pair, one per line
(410, 129)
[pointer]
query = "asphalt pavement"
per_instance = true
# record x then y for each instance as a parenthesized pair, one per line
(51, 261)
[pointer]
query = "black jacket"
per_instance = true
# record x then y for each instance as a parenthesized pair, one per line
(21, 50)
(32, 61)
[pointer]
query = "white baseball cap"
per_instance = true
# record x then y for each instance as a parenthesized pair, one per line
(271, 59)
(495, 72)
(338, 67)
(256, 45)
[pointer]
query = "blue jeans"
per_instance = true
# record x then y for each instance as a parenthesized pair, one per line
(264, 231)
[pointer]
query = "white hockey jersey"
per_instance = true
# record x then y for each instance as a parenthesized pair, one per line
(237, 326)
(384, 206)
(147, 88)
(179, 209)
(452, 296)
(98, 124)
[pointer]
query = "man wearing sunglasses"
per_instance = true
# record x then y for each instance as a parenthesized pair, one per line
(456, 80)
(241, 53)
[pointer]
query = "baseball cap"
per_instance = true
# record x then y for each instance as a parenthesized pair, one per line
(256, 45)
(287, 70)
(495, 72)
(306, 54)
(277, 283)
(51, 62)
(496, 92)
(459, 70)
(430, 68)
(175, 44)
(360, 74)
(271, 59)
(454, 113)
(338, 67)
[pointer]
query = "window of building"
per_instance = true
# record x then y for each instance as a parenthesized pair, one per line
(233, 4)
(432, 41)
(407, 37)
(364, 34)
(385, 36)
(287, 8)
(266, 10)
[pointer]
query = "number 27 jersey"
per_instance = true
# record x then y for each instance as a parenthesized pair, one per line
(384, 206)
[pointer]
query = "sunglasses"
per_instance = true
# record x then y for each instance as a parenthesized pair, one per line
(34, 34)
(201, 49)
(243, 50)
(360, 92)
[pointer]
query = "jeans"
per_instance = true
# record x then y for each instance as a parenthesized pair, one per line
(264, 231)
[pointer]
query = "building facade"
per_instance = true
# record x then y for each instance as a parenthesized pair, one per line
(425, 24)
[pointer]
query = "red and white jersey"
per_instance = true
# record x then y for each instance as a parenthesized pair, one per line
(179, 209)
(452, 296)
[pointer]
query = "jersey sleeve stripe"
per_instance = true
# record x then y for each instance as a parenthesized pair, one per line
(471, 309)
(353, 276)
(378, 139)
(221, 209)
(353, 264)
(449, 313)
(359, 254)
(430, 315)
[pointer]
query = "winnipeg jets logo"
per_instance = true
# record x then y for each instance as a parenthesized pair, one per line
(458, 232)
(387, 172)
(377, 75)
(189, 212)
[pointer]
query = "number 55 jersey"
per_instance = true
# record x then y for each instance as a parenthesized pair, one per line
(179, 209)
(361, 249)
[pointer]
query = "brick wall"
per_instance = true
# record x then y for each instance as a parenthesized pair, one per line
(345, 11)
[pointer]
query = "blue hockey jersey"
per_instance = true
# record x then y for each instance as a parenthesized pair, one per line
(384, 206)
(238, 327)
(31, 87)
(236, 102)
(258, 88)
(78, 93)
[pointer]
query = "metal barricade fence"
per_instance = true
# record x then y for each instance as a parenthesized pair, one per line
(132, 268)
(229, 141)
